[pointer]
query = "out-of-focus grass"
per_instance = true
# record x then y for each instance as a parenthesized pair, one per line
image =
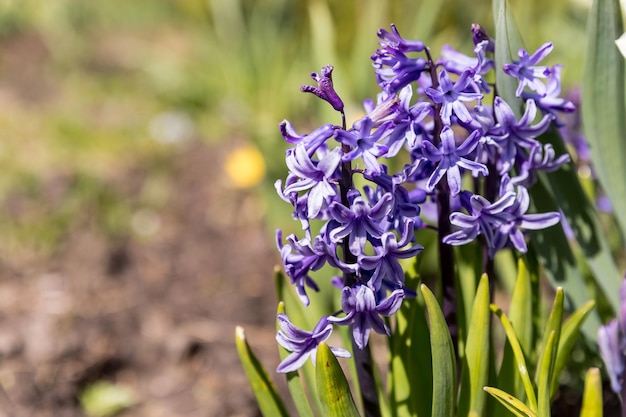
(91, 89)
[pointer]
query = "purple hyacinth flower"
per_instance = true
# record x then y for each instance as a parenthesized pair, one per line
(483, 217)
(298, 260)
(528, 72)
(394, 40)
(394, 69)
(612, 344)
(451, 95)
(364, 312)
(539, 159)
(479, 34)
(451, 159)
(550, 101)
(385, 263)
(517, 134)
(511, 231)
(359, 221)
(303, 344)
(364, 143)
(314, 176)
(325, 89)
(312, 141)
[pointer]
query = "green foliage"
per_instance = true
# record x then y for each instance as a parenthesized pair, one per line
(603, 106)
(264, 390)
(332, 385)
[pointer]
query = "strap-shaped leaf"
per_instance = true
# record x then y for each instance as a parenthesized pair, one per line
(508, 42)
(568, 195)
(332, 385)
(511, 403)
(569, 335)
(444, 362)
(476, 362)
(544, 375)
(603, 107)
(592, 395)
(553, 326)
(264, 390)
(519, 357)
(410, 377)
(521, 318)
(294, 382)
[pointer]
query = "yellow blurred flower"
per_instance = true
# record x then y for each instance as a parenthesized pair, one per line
(245, 166)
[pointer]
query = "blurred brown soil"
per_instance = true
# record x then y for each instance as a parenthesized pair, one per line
(157, 315)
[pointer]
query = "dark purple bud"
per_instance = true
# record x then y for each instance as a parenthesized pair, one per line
(479, 34)
(325, 89)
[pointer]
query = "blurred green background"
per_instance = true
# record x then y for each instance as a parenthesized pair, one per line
(91, 87)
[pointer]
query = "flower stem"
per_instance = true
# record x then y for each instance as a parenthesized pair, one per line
(362, 357)
(446, 252)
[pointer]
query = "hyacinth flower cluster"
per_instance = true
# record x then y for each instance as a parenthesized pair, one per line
(461, 149)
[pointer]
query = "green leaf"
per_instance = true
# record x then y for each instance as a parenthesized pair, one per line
(553, 326)
(603, 107)
(264, 390)
(476, 361)
(444, 361)
(511, 403)
(553, 250)
(592, 395)
(518, 353)
(294, 383)
(544, 375)
(569, 335)
(332, 385)
(562, 190)
(508, 42)
(520, 316)
(410, 377)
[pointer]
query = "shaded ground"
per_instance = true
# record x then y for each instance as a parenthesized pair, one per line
(157, 315)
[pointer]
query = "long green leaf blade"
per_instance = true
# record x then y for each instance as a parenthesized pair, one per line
(603, 107)
(264, 390)
(569, 335)
(511, 403)
(444, 379)
(553, 326)
(332, 385)
(508, 42)
(519, 357)
(544, 375)
(476, 363)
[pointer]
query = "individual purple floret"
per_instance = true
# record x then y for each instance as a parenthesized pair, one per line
(325, 89)
(528, 72)
(517, 135)
(551, 101)
(384, 263)
(364, 143)
(511, 231)
(451, 95)
(612, 344)
(364, 312)
(315, 177)
(303, 344)
(394, 69)
(359, 222)
(451, 159)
